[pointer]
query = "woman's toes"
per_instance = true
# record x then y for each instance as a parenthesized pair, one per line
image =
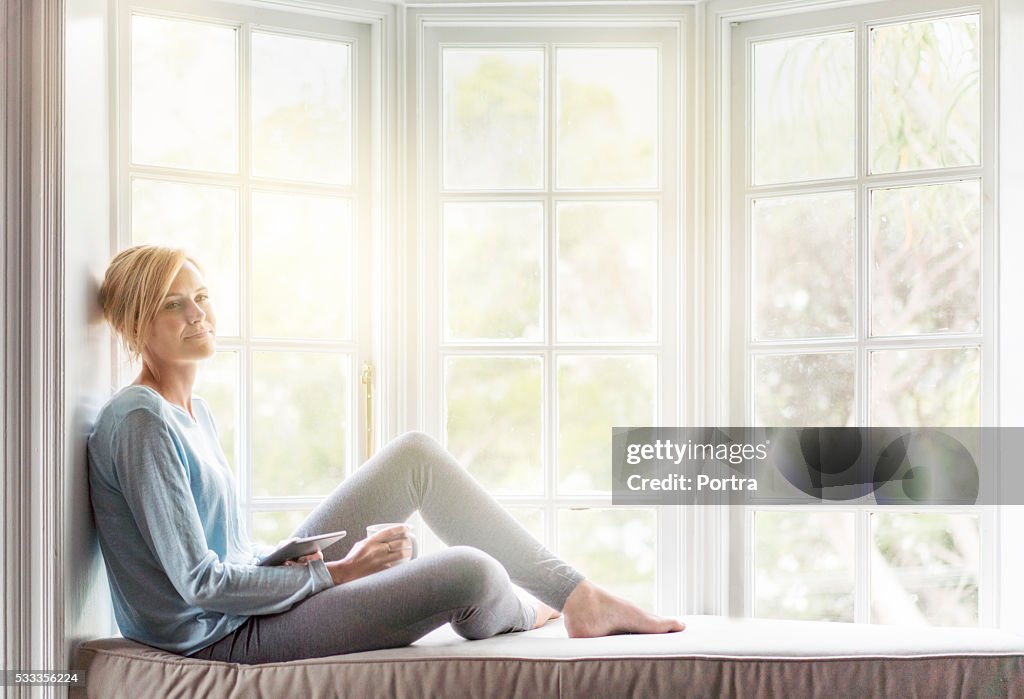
(544, 615)
(674, 625)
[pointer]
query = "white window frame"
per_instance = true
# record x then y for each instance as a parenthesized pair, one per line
(366, 33)
(739, 570)
(672, 27)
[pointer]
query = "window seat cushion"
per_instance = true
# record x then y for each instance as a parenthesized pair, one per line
(714, 657)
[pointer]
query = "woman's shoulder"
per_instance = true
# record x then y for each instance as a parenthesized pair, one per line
(137, 396)
(114, 412)
(131, 400)
(126, 401)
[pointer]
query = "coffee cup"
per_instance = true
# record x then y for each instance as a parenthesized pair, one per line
(374, 528)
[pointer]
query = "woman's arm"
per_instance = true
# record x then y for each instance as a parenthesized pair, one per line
(261, 550)
(149, 463)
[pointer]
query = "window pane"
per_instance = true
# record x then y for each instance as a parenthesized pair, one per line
(301, 109)
(493, 114)
(616, 549)
(492, 271)
(607, 251)
(926, 249)
(925, 97)
(493, 420)
(202, 220)
(925, 569)
(218, 384)
(183, 94)
(795, 390)
(804, 108)
(302, 266)
(595, 394)
(270, 527)
(301, 423)
(804, 565)
(804, 266)
(926, 388)
(607, 117)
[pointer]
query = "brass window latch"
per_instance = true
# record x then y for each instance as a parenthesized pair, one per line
(366, 379)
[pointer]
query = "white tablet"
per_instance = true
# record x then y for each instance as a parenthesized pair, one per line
(300, 547)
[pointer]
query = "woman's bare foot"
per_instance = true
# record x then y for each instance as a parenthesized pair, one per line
(545, 614)
(591, 611)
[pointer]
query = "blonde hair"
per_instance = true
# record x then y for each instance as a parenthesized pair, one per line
(133, 290)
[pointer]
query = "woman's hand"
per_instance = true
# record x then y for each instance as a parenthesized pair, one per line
(301, 560)
(372, 555)
(304, 560)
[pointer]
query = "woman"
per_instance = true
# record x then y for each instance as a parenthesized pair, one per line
(183, 574)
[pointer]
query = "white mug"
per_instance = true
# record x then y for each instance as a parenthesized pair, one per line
(374, 528)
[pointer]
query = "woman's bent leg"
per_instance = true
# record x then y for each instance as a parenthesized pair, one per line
(389, 609)
(414, 472)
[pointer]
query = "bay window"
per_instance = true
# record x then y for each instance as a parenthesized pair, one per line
(862, 235)
(557, 271)
(244, 136)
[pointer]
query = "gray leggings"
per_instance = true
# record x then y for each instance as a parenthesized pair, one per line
(467, 584)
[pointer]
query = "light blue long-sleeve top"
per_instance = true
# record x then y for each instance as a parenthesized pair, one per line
(182, 570)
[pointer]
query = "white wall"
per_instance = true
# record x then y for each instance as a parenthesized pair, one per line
(87, 236)
(1011, 287)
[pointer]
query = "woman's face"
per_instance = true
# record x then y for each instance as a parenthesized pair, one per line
(184, 328)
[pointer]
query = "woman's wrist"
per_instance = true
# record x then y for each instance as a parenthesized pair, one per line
(338, 571)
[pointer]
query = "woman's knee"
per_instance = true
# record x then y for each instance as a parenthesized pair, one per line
(416, 442)
(406, 452)
(476, 576)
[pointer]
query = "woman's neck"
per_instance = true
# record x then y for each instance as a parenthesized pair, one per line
(173, 383)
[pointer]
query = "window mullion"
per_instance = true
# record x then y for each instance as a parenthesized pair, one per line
(862, 518)
(862, 566)
(245, 474)
(549, 411)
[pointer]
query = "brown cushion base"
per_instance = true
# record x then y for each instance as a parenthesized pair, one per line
(714, 657)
